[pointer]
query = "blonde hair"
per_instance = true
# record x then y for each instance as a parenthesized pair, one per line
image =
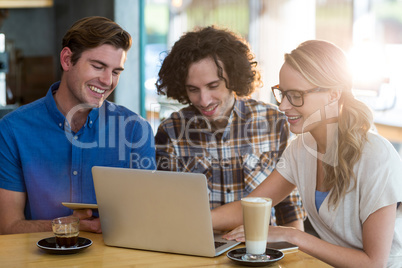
(325, 65)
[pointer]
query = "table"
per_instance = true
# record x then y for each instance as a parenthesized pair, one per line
(20, 250)
(392, 133)
(389, 123)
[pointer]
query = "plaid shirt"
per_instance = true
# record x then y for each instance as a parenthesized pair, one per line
(236, 159)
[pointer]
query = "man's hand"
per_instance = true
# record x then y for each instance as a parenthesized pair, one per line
(236, 234)
(88, 222)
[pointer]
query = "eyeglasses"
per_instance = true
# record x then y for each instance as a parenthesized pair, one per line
(295, 97)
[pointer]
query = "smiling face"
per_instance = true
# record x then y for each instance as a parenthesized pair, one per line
(93, 78)
(314, 114)
(207, 92)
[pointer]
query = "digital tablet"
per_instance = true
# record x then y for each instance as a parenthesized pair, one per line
(283, 246)
(79, 205)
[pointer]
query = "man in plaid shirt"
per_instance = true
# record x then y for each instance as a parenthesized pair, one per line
(235, 141)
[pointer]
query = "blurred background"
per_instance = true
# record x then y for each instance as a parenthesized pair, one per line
(369, 31)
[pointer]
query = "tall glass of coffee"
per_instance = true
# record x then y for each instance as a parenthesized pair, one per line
(66, 231)
(256, 216)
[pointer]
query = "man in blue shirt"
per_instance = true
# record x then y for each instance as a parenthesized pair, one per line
(48, 147)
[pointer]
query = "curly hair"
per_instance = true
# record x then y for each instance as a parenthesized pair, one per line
(221, 45)
(325, 65)
(91, 32)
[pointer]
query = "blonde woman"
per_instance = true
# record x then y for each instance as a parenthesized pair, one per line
(349, 178)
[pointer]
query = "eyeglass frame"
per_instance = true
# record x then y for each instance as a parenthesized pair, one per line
(301, 92)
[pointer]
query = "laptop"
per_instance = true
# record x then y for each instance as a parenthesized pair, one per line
(156, 210)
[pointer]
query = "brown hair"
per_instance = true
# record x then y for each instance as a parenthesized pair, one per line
(218, 44)
(91, 32)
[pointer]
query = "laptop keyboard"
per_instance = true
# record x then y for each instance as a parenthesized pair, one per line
(218, 244)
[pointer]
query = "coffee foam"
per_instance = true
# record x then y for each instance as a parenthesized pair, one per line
(65, 229)
(255, 200)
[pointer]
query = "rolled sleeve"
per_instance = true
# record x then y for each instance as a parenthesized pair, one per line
(290, 209)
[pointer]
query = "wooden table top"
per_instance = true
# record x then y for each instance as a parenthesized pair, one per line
(20, 250)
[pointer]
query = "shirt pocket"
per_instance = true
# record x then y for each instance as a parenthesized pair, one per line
(256, 167)
(196, 164)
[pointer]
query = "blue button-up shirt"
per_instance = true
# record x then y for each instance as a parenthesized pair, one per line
(40, 155)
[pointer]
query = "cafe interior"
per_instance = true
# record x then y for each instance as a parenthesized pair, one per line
(369, 31)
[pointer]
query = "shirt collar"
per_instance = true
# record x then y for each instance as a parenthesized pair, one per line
(94, 115)
(240, 108)
(58, 117)
(51, 106)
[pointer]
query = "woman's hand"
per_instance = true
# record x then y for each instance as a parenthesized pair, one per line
(279, 233)
(275, 233)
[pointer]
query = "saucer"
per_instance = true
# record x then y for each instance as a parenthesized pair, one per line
(49, 246)
(237, 254)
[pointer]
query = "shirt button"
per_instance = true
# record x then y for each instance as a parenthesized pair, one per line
(60, 124)
(75, 172)
(75, 138)
(228, 191)
(90, 122)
